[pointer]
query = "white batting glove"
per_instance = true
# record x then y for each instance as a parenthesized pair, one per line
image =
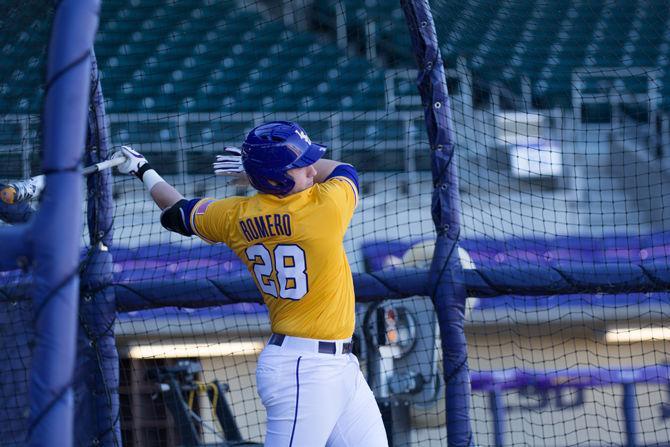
(134, 160)
(230, 163)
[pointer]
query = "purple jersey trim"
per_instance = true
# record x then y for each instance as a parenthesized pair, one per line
(297, 399)
(347, 171)
(186, 210)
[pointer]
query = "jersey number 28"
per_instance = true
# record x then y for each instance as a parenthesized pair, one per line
(288, 262)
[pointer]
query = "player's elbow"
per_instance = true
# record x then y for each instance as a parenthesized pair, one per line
(176, 218)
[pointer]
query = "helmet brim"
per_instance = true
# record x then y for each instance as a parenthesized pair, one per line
(309, 157)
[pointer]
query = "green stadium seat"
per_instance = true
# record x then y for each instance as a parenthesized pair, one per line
(199, 162)
(147, 46)
(10, 133)
(650, 34)
(369, 130)
(12, 165)
(322, 15)
(165, 162)
(243, 103)
(318, 131)
(231, 132)
(164, 103)
(122, 105)
(214, 103)
(375, 160)
(143, 132)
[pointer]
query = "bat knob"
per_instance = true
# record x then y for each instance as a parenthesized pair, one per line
(7, 195)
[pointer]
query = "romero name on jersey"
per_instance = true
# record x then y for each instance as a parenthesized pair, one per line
(296, 258)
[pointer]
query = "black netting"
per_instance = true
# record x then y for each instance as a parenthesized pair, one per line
(560, 124)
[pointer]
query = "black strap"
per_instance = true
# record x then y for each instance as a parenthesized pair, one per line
(144, 168)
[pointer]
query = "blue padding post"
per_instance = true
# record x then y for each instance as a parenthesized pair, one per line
(630, 413)
(57, 229)
(96, 392)
(498, 411)
(144, 292)
(446, 275)
(14, 369)
(533, 280)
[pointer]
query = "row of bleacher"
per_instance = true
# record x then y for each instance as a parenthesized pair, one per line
(505, 40)
(206, 55)
(226, 58)
(162, 129)
(199, 162)
(175, 145)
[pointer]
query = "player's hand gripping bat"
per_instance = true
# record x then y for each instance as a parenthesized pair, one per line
(27, 189)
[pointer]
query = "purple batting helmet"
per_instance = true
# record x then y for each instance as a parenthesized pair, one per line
(273, 148)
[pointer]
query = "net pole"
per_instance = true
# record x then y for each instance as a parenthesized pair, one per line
(57, 226)
(446, 275)
(98, 359)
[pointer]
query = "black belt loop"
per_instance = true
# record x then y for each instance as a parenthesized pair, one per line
(330, 347)
(325, 347)
(277, 339)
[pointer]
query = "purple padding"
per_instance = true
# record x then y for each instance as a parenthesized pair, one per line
(587, 377)
(376, 253)
(195, 315)
(573, 254)
(555, 251)
(617, 300)
(620, 254)
(192, 269)
(166, 252)
(172, 263)
(659, 252)
(513, 256)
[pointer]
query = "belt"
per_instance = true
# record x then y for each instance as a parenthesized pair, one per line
(308, 344)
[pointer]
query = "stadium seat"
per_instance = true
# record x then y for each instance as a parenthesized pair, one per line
(220, 131)
(372, 130)
(648, 36)
(10, 133)
(149, 43)
(143, 132)
(280, 103)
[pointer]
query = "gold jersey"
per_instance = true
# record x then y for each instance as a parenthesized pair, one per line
(293, 248)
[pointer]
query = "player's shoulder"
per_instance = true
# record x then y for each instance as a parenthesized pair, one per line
(343, 174)
(342, 182)
(344, 171)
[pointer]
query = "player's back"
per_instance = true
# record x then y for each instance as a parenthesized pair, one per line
(293, 248)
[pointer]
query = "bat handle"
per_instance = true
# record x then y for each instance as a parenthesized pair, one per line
(103, 165)
(27, 189)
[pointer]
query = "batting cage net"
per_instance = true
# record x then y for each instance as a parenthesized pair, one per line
(555, 196)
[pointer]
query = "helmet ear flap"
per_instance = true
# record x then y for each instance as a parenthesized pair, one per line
(271, 181)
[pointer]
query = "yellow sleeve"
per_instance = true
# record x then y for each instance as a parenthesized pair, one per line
(343, 193)
(210, 219)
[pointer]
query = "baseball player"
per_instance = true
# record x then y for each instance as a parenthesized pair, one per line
(289, 235)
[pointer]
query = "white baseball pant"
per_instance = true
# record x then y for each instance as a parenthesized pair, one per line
(314, 398)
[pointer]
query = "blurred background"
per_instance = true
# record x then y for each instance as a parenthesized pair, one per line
(561, 123)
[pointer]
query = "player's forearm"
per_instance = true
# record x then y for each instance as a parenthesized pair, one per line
(324, 168)
(165, 195)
